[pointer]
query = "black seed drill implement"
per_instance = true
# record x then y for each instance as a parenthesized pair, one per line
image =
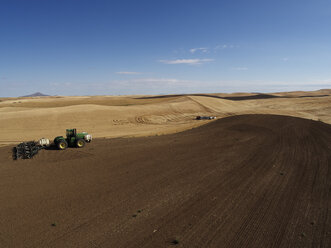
(26, 150)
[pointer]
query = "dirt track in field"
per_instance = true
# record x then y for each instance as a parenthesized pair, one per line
(241, 181)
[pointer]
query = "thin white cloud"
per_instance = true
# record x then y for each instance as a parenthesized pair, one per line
(148, 83)
(158, 81)
(285, 59)
(225, 46)
(186, 61)
(201, 49)
(240, 68)
(128, 72)
(62, 84)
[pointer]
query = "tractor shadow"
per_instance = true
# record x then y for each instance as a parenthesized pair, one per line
(14, 153)
(51, 147)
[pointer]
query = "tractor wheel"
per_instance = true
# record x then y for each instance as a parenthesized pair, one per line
(62, 145)
(80, 143)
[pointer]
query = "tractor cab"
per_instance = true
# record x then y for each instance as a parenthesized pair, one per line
(71, 132)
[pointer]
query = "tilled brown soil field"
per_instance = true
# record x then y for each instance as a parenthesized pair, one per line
(241, 181)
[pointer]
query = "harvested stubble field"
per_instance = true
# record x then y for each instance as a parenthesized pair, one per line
(251, 180)
(134, 116)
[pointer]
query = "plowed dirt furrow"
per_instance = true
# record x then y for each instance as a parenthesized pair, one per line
(242, 181)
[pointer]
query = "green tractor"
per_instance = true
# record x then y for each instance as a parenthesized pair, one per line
(73, 139)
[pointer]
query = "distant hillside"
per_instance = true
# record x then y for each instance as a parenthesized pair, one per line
(35, 94)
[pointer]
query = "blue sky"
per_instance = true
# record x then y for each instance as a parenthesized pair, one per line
(85, 47)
